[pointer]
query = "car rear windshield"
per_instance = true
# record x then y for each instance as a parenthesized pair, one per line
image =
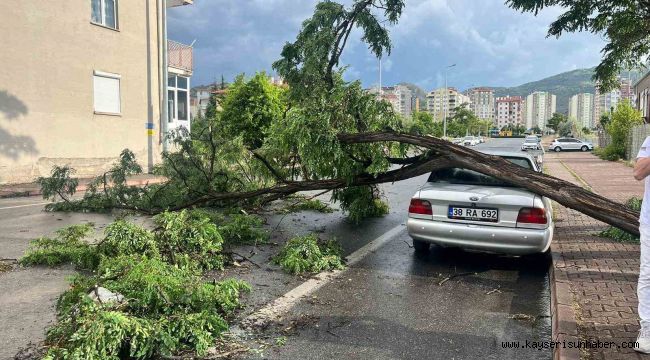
(470, 177)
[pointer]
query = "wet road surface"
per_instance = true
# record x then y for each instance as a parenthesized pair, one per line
(448, 304)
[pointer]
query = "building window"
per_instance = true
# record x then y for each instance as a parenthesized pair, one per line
(104, 12)
(178, 97)
(107, 93)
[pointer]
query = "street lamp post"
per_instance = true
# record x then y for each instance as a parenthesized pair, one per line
(446, 101)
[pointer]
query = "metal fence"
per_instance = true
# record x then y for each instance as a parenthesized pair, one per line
(180, 56)
(637, 136)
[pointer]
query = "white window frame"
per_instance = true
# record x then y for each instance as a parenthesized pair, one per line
(102, 7)
(113, 76)
(173, 113)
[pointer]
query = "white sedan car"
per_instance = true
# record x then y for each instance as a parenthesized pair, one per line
(470, 141)
(466, 209)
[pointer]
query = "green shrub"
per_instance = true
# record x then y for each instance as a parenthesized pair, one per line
(67, 247)
(620, 235)
(166, 310)
(612, 152)
(308, 254)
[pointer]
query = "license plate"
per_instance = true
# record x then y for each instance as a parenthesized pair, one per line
(474, 214)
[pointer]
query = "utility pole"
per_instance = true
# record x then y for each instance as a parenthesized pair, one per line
(446, 102)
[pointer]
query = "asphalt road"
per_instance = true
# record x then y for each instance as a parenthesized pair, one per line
(395, 304)
(390, 305)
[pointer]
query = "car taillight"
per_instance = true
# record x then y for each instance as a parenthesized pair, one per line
(421, 207)
(532, 216)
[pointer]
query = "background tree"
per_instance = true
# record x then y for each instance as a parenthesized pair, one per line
(623, 22)
(623, 119)
(555, 121)
(250, 107)
(605, 118)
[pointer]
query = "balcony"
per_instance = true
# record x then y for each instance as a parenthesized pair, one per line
(180, 56)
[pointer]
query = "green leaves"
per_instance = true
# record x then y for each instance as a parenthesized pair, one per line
(250, 107)
(67, 247)
(306, 254)
(60, 183)
(167, 309)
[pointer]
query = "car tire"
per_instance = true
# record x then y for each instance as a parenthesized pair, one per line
(584, 148)
(557, 149)
(421, 246)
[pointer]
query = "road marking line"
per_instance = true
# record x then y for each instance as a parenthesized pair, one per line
(22, 206)
(282, 304)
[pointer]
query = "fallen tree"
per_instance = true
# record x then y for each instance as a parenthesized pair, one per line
(318, 133)
(450, 155)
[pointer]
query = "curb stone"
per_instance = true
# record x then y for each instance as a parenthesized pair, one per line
(564, 327)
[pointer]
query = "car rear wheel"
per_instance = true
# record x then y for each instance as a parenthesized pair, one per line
(584, 148)
(421, 246)
(557, 149)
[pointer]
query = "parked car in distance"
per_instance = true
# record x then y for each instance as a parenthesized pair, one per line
(470, 141)
(457, 141)
(531, 143)
(466, 209)
(563, 144)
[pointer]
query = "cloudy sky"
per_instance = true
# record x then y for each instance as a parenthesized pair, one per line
(491, 44)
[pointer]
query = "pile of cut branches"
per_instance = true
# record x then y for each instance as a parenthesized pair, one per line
(146, 296)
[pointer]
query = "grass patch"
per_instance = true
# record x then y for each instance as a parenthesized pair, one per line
(308, 254)
(619, 235)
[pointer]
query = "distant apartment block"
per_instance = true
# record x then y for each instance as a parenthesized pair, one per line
(399, 96)
(83, 80)
(607, 102)
(444, 101)
(481, 102)
(581, 109)
(540, 107)
(199, 99)
(509, 111)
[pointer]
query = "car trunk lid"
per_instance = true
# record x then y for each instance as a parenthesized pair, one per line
(508, 201)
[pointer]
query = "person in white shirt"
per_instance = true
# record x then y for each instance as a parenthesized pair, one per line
(641, 172)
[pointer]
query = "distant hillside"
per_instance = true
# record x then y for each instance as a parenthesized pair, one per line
(563, 85)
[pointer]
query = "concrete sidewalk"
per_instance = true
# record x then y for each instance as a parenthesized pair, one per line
(32, 189)
(594, 279)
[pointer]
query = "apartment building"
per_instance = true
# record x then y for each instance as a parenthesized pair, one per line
(444, 101)
(581, 109)
(399, 96)
(509, 111)
(540, 107)
(481, 102)
(84, 79)
(607, 102)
